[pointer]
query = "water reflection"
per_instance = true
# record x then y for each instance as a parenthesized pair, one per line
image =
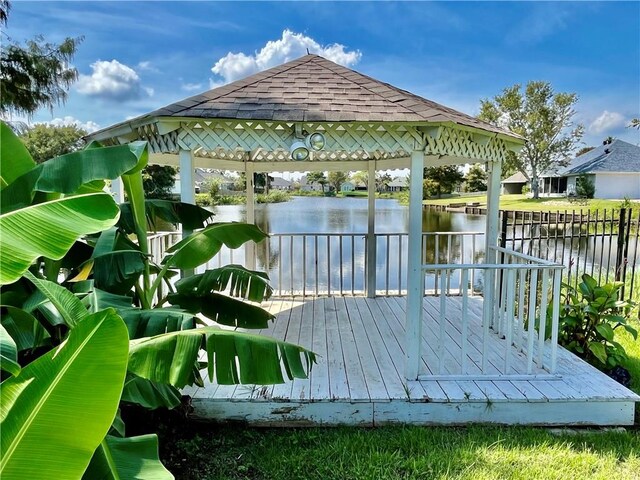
(336, 262)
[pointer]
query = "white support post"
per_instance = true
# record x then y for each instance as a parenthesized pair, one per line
(414, 269)
(371, 231)
(117, 190)
(250, 247)
(187, 190)
(490, 241)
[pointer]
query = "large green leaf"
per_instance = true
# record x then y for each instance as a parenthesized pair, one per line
(147, 323)
(191, 217)
(68, 173)
(23, 327)
(223, 310)
(15, 160)
(201, 246)
(233, 357)
(8, 353)
(66, 303)
(149, 394)
(58, 409)
(127, 458)
(50, 229)
(249, 284)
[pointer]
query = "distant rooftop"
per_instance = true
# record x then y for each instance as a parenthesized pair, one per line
(617, 156)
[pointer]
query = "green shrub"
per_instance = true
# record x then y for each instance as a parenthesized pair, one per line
(526, 189)
(584, 186)
(589, 316)
(228, 200)
(203, 199)
(274, 196)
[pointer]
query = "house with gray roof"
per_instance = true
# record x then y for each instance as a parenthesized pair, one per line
(613, 167)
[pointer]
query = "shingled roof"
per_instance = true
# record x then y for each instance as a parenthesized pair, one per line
(617, 156)
(314, 89)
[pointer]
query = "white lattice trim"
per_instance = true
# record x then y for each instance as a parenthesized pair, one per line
(262, 141)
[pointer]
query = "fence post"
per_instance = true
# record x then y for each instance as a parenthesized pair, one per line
(620, 250)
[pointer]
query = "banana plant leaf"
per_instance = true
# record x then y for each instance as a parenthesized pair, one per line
(232, 357)
(127, 458)
(191, 217)
(149, 394)
(15, 160)
(79, 172)
(147, 323)
(240, 282)
(66, 303)
(223, 310)
(201, 246)
(24, 328)
(58, 409)
(8, 353)
(50, 229)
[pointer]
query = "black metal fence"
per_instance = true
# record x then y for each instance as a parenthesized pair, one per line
(605, 243)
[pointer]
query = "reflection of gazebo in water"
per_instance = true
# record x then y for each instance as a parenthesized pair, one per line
(443, 359)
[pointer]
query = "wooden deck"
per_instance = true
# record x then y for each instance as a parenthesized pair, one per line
(359, 377)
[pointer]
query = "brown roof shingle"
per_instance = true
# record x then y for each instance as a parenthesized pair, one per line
(315, 89)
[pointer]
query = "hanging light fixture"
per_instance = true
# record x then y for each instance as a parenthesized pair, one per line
(315, 141)
(299, 151)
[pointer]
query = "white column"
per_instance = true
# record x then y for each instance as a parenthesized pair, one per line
(490, 240)
(371, 231)
(187, 191)
(117, 190)
(250, 247)
(414, 269)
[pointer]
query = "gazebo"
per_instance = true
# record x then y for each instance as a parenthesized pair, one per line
(250, 126)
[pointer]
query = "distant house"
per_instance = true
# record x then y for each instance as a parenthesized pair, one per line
(398, 184)
(279, 183)
(309, 187)
(614, 168)
(513, 184)
(347, 187)
(202, 177)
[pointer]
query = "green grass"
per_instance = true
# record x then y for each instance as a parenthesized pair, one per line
(480, 453)
(522, 202)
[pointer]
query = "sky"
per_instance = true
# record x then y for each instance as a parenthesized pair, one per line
(139, 56)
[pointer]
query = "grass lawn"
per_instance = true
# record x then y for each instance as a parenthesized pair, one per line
(522, 202)
(478, 453)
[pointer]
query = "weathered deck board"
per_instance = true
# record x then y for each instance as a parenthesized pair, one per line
(359, 377)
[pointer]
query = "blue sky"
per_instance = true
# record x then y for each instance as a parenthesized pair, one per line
(138, 56)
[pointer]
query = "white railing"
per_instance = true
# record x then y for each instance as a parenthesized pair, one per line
(518, 291)
(336, 263)
(160, 242)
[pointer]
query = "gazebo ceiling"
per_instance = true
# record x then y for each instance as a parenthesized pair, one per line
(257, 118)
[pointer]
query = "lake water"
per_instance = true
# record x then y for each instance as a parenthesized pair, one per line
(334, 262)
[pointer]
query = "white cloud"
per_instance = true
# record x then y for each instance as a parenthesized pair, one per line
(607, 122)
(89, 126)
(112, 81)
(147, 66)
(191, 87)
(291, 46)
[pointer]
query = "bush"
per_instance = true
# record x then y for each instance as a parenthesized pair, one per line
(228, 200)
(589, 317)
(584, 186)
(203, 199)
(526, 189)
(274, 196)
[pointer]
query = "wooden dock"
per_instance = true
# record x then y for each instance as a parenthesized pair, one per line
(359, 377)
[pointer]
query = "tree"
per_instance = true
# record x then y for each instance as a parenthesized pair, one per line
(317, 177)
(336, 179)
(476, 179)
(158, 180)
(584, 150)
(382, 181)
(47, 141)
(544, 118)
(35, 75)
(361, 177)
(635, 123)
(585, 188)
(439, 180)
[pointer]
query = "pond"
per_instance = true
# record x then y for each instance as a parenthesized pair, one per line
(298, 259)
